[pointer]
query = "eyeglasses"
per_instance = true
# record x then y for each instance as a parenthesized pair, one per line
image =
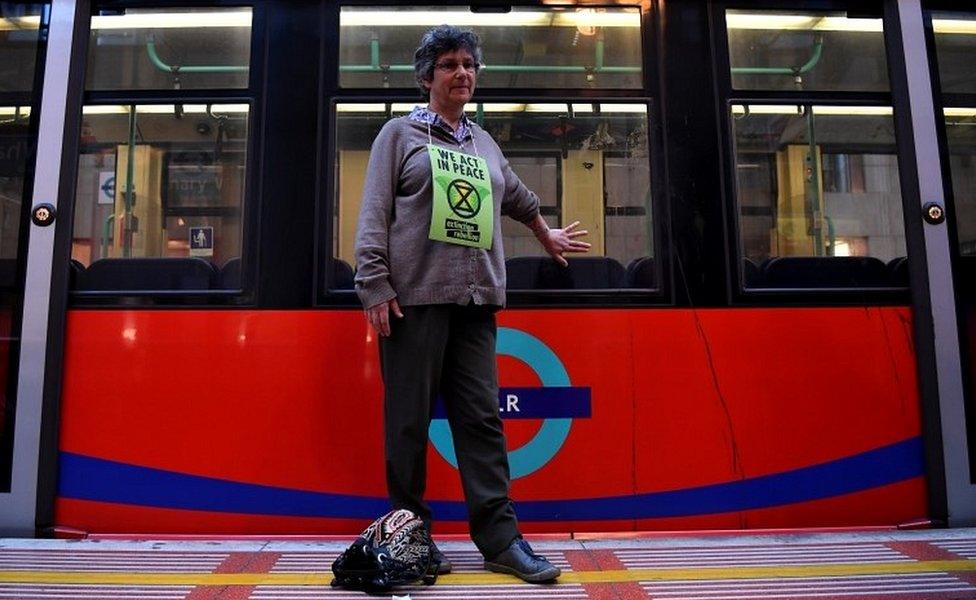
(450, 66)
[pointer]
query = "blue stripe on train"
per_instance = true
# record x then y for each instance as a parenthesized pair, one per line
(88, 478)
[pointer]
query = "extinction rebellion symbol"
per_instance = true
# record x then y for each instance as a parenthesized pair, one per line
(463, 199)
(557, 402)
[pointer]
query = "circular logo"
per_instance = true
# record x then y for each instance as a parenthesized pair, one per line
(549, 439)
(108, 188)
(463, 199)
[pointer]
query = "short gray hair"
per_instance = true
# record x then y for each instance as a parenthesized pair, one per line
(437, 41)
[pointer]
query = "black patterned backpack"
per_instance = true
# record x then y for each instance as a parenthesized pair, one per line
(394, 550)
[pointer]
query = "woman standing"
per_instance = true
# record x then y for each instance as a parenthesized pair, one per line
(431, 274)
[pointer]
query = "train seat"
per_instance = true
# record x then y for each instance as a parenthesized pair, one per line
(751, 273)
(343, 276)
(825, 272)
(898, 271)
(535, 273)
(148, 274)
(584, 273)
(8, 273)
(76, 270)
(230, 275)
(641, 273)
(595, 272)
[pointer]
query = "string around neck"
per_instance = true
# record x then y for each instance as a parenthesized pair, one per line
(430, 138)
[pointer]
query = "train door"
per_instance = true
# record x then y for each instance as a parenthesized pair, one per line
(952, 43)
(35, 40)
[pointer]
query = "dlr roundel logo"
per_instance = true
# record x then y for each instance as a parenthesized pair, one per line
(557, 402)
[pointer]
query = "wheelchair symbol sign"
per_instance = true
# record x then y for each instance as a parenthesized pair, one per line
(551, 435)
(201, 241)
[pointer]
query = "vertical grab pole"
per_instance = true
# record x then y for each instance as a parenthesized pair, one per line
(130, 171)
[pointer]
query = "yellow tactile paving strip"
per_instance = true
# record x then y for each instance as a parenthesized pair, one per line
(225, 579)
(939, 564)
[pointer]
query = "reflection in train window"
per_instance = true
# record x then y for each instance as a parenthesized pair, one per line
(20, 41)
(19, 33)
(818, 196)
(186, 48)
(19, 29)
(961, 138)
(542, 173)
(955, 42)
(588, 163)
(806, 51)
(17, 148)
(539, 47)
(161, 182)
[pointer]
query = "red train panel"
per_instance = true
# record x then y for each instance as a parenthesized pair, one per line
(270, 421)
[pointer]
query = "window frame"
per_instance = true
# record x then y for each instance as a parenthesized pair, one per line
(727, 96)
(250, 209)
(649, 93)
(515, 298)
(942, 101)
(523, 92)
(14, 296)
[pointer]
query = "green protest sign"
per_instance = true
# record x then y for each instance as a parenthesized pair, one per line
(462, 211)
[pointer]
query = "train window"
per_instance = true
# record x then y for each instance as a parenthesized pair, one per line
(955, 42)
(538, 47)
(19, 45)
(186, 48)
(961, 138)
(19, 36)
(790, 50)
(160, 196)
(587, 161)
(17, 147)
(19, 25)
(955, 49)
(818, 196)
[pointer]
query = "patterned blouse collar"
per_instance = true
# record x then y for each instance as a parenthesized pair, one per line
(424, 115)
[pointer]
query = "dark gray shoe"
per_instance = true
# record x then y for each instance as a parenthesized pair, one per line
(444, 565)
(519, 560)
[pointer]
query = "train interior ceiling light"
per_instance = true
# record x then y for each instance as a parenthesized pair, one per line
(551, 17)
(15, 111)
(161, 20)
(794, 109)
(116, 109)
(500, 107)
(808, 22)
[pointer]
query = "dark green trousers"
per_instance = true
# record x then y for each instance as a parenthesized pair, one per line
(449, 350)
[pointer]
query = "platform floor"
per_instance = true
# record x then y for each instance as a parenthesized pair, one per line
(929, 564)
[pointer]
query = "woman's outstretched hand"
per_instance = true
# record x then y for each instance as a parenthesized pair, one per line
(558, 241)
(378, 316)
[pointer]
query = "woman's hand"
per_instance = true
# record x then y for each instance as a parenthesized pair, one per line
(378, 315)
(558, 241)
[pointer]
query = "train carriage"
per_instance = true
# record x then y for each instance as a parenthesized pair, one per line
(774, 327)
